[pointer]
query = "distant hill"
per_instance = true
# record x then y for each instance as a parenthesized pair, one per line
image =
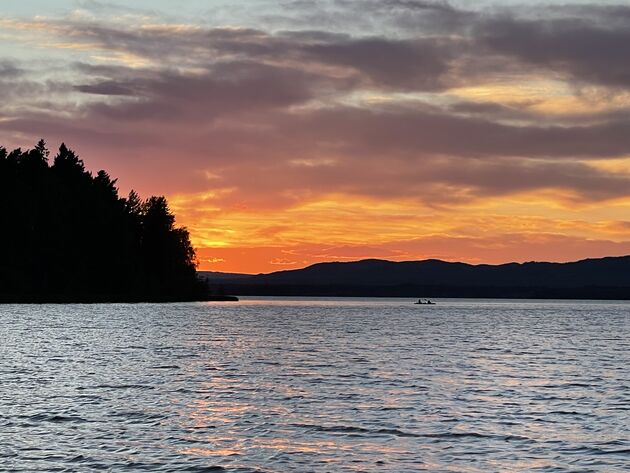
(607, 278)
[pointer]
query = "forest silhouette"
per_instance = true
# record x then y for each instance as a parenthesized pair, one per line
(67, 236)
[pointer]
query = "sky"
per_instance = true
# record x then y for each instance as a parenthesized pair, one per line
(286, 133)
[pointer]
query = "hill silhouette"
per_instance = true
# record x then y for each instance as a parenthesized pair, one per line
(67, 236)
(604, 278)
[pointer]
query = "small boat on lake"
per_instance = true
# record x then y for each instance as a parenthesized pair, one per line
(424, 302)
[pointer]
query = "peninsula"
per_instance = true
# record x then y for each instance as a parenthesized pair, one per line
(69, 237)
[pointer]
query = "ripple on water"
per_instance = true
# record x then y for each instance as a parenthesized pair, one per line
(323, 385)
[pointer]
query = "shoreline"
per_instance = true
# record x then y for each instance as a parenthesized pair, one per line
(91, 299)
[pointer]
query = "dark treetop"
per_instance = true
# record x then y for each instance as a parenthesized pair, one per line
(68, 237)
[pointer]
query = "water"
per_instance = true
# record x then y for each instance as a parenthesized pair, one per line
(316, 386)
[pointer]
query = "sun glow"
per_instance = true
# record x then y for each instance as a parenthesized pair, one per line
(341, 227)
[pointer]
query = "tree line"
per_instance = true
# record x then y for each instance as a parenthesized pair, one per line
(67, 235)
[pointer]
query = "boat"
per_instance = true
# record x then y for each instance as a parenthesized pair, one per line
(424, 302)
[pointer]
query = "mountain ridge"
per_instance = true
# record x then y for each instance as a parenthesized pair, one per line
(604, 276)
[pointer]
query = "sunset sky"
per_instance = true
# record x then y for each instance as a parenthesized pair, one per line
(291, 132)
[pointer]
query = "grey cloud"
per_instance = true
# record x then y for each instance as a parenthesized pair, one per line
(489, 110)
(433, 45)
(406, 65)
(577, 47)
(436, 181)
(225, 89)
(503, 177)
(406, 131)
(581, 43)
(109, 87)
(410, 64)
(9, 70)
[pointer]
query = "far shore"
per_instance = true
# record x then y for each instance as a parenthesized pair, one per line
(105, 299)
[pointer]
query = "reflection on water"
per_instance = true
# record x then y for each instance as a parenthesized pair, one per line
(328, 385)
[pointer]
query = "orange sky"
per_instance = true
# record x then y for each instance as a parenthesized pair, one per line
(343, 229)
(285, 138)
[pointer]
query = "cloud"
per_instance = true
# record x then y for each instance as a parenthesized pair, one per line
(586, 45)
(109, 87)
(403, 65)
(437, 45)
(408, 64)
(410, 131)
(424, 154)
(226, 88)
(9, 70)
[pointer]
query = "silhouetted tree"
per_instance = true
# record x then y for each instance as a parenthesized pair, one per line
(167, 253)
(67, 235)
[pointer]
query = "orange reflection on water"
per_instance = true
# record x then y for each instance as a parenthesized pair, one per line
(204, 412)
(209, 452)
(292, 446)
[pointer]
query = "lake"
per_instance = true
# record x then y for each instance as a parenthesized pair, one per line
(325, 385)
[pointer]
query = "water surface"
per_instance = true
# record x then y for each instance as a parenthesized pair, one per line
(315, 386)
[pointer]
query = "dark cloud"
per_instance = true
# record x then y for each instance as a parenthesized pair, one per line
(580, 48)
(489, 109)
(9, 70)
(226, 88)
(402, 65)
(438, 181)
(409, 64)
(432, 42)
(409, 131)
(504, 177)
(109, 87)
(441, 45)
